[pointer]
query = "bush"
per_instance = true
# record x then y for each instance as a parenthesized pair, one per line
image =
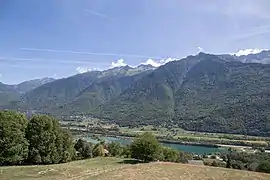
(126, 152)
(197, 158)
(145, 147)
(238, 165)
(84, 148)
(184, 157)
(214, 163)
(207, 163)
(115, 149)
(169, 155)
(264, 166)
(252, 166)
(98, 150)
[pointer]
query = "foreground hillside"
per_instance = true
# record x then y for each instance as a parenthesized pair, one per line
(113, 168)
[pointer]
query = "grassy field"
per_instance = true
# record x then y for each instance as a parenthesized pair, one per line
(115, 169)
(180, 134)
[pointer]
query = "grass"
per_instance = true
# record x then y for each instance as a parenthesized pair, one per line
(113, 168)
(74, 170)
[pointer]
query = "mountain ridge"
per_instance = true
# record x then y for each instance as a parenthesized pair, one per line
(203, 92)
(12, 92)
(211, 71)
(59, 92)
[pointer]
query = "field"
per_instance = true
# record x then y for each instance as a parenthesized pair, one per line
(115, 169)
(182, 135)
(173, 133)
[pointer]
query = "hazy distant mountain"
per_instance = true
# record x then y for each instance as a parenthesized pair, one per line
(62, 91)
(101, 92)
(126, 70)
(7, 93)
(12, 92)
(32, 84)
(262, 57)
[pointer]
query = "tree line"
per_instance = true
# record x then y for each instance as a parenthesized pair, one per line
(41, 140)
(38, 140)
(258, 161)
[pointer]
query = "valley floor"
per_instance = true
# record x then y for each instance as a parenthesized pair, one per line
(114, 168)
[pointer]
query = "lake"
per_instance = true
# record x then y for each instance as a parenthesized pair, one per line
(186, 148)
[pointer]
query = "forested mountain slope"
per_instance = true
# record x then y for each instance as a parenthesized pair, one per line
(100, 92)
(201, 93)
(219, 96)
(152, 97)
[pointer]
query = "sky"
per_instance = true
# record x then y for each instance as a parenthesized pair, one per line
(59, 38)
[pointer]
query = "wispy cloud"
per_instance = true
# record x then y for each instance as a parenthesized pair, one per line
(254, 8)
(248, 51)
(33, 66)
(54, 61)
(235, 9)
(81, 70)
(252, 32)
(152, 63)
(244, 16)
(200, 49)
(95, 13)
(155, 63)
(89, 53)
(118, 63)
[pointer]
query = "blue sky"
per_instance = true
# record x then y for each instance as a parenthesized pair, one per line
(58, 38)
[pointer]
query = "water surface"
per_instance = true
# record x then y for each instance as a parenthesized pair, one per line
(186, 148)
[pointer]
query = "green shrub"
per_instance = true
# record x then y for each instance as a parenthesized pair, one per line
(98, 150)
(145, 147)
(115, 149)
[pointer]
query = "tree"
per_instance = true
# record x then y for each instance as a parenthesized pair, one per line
(252, 166)
(264, 166)
(169, 154)
(145, 147)
(228, 162)
(184, 157)
(84, 148)
(98, 150)
(238, 165)
(115, 149)
(48, 142)
(13, 144)
(69, 152)
(126, 152)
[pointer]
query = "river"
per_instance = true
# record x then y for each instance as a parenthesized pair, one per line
(186, 148)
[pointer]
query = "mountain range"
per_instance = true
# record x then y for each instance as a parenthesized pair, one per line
(12, 92)
(204, 92)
